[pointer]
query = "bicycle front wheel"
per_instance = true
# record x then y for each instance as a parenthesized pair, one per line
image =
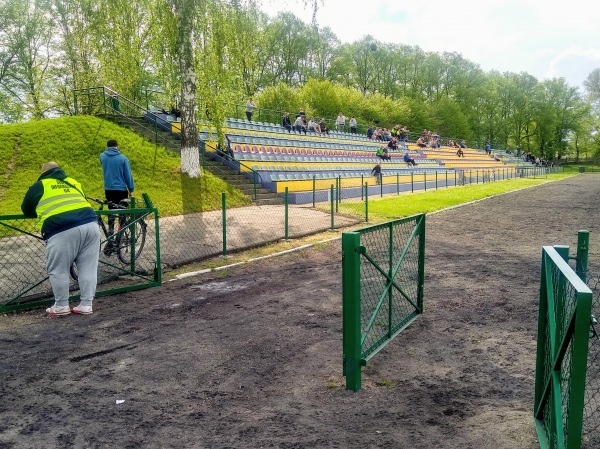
(124, 243)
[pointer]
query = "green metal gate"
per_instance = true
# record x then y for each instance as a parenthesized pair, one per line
(562, 351)
(383, 268)
(24, 281)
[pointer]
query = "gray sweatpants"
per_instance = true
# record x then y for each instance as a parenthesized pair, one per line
(82, 246)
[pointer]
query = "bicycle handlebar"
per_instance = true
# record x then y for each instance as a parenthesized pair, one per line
(110, 204)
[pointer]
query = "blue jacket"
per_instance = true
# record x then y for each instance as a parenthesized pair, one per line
(116, 170)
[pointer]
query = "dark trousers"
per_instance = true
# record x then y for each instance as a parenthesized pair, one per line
(115, 196)
(249, 115)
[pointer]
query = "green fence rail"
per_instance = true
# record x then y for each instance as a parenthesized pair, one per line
(24, 281)
(562, 351)
(383, 268)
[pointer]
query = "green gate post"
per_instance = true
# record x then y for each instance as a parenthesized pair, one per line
(425, 180)
(314, 188)
(412, 184)
(446, 178)
(332, 208)
(454, 178)
(224, 220)
(351, 332)
(477, 176)
(421, 292)
(286, 213)
(367, 202)
(583, 244)
(436, 180)
(381, 186)
(336, 194)
(397, 183)
(132, 236)
(104, 99)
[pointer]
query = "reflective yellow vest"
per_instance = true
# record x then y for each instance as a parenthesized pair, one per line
(59, 197)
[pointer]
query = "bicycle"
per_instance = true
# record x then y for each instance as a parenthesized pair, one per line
(120, 242)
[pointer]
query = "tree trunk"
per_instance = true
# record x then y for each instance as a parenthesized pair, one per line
(190, 156)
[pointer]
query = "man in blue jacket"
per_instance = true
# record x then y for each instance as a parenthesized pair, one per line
(118, 183)
(70, 231)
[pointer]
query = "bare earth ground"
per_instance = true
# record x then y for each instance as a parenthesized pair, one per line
(251, 357)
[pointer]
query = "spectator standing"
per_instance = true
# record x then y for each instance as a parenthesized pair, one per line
(376, 171)
(286, 122)
(488, 148)
(250, 107)
(340, 122)
(352, 124)
(118, 183)
(70, 230)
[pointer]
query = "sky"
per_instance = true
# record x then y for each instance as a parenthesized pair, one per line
(547, 39)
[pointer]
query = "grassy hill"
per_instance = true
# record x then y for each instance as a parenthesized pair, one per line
(75, 143)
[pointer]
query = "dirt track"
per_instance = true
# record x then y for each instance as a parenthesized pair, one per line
(251, 357)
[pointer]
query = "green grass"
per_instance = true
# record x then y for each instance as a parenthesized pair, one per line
(75, 143)
(406, 204)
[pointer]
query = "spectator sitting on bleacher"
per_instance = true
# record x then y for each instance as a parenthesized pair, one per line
(377, 172)
(382, 153)
(496, 157)
(395, 131)
(312, 125)
(460, 153)
(323, 127)
(393, 144)
(409, 160)
(463, 144)
(386, 134)
(421, 142)
(286, 122)
(370, 132)
(175, 112)
(299, 124)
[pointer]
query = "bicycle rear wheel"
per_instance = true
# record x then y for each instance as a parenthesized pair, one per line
(124, 241)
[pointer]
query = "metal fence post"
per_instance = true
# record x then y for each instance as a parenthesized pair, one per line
(224, 220)
(367, 202)
(436, 180)
(332, 208)
(351, 332)
(397, 183)
(583, 244)
(286, 212)
(412, 182)
(362, 184)
(314, 188)
(425, 181)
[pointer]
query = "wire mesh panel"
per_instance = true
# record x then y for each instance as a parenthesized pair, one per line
(591, 413)
(133, 262)
(382, 277)
(563, 336)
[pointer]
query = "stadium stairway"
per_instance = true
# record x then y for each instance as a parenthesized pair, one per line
(167, 139)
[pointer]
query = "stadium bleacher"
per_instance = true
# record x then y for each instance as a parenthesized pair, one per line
(300, 162)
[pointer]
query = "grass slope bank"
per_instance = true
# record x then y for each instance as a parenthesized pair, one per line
(76, 143)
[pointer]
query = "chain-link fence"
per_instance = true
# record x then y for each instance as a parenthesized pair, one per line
(591, 413)
(382, 278)
(563, 338)
(133, 263)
